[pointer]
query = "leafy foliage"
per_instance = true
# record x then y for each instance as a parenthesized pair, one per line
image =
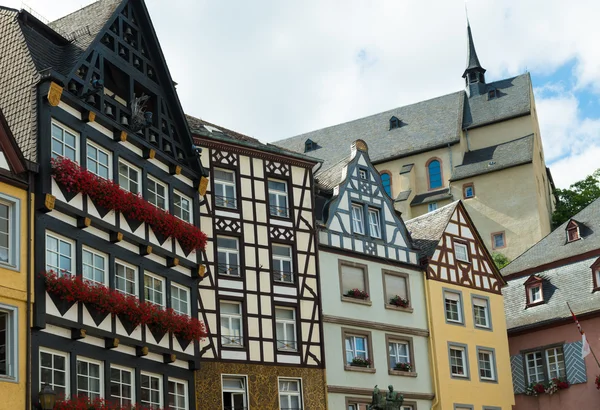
(573, 199)
(500, 260)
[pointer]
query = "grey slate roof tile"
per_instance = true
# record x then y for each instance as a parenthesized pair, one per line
(403, 196)
(427, 230)
(495, 158)
(432, 196)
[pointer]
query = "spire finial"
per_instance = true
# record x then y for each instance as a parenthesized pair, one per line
(474, 73)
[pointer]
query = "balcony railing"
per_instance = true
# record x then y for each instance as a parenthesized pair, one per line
(283, 276)
(288, 345)
(280, 211)
(226, 201)
(236, 341)
(228, 269)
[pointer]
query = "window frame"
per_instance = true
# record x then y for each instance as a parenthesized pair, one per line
(122, 369)
(59, 254)
(465, 358)
(541, 350)
(353, 218)
(300, 393)
(176, 193)
(135, 277)
(572, 238)
(375, 211)
(365, 269)
(225, 199)
(64, 128)
(394, 338)
(187, 301)
(244, 379)
(427, 165)
(157, 183)
(530, 300)
(357, 401)
(363, 174)
(285, 321)
(186, 394)
(460, 307)
(107, 152)
(406, 276)
(465, 187)
(64, 355)
(14, 232)
(94, 362)
(227, 252)
(487, 312)
(456, 243)
(129, 166)
(278, 195)
(281, 259)
(94, 254)
(595, 275)
(160, 388)
(493, 367)
(547, 362)
(163, 292)
(432, 206)
(389, 182)
(11, 346)
(348, 332)
(231, 317)
(493, 236)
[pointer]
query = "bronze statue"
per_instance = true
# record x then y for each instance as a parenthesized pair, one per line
(391, 401)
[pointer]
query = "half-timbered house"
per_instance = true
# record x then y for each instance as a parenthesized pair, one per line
(469, 346)
(374, 309)
(93, 89)
(259, 296)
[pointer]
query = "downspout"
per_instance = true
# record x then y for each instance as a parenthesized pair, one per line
(29, 279)
(432, 353)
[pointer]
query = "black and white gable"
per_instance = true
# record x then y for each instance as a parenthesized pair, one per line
(360, 216)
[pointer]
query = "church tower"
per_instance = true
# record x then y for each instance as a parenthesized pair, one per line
(474, 74)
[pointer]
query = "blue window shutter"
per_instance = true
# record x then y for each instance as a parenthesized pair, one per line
(574, 363)
(518, 373)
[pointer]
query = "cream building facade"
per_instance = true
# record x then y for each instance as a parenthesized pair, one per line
(477, 145)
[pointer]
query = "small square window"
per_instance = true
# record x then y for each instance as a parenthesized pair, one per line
(358, 351)
(400, 354)
(129, 177)
(94, 266)
(157, 193)
(491, 94)
(461, 252)
(459, 366)
(498, 240)
(99, 161)
(453, 307)
(535, 293)
(572, 234)
(432, 206)
(60, 254)
(64, 142)
(362, 173)
(468, 191)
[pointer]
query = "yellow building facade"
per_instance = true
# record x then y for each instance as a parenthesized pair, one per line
(468, 339)
(14, 329)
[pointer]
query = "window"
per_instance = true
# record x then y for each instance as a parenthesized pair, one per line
(394, 123)
(278, 198)
(129, 177)
(121, 386)
(282, 263)
(290, 394)
(453, 306)
(228, 256)
(64, 142)
(481, 312)
(225, 193)
(234, 393)
(555, 363)
(99, 161)
(434, 171)
(386, 181)
(432, 206)
(285, 321)
(468, 191)
(461, 252)
(356, 348)
(498, 240)
(180, 299)
(357, 219)
(486, 363)
(535, 367)
(399, 353)
(182, 207)
(9, 363)
(89, 378)
(9, 231)
(154, 289)
(374, 223)
(54, 371)
(353, 276)
(231, 324)
(535, 294)
(362, 174)
(178, 395)
(60, 255)
(157, 193)
(596, 272)
(125, 279)
(458, 361)
(309, 145)
(151, 390)
(572, 234)
(396, 289)
(357, 404)
(94, 266)
(491, 94)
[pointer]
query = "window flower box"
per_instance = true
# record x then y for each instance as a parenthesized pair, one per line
(403, 367)
(108, 194)
(360, 362)
(357, 294)
(399, 301)
(550, 387)
(85, 403)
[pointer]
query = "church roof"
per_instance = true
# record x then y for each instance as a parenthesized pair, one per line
(472, 59)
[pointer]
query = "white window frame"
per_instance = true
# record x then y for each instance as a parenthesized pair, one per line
(530, 291)
(353, 348)
(243, 391)
(14, 232)
(374, 225)
(289, 393)
(463, 357)
(459, 245)
(362, 174)
(93, 267)
(179, 300)
(279, 275)
(185, 394)
(178, 210)
(358, 226)
(398, 357)
(282, 210)
(66, 371)
(135, 277)
(481, 303)
(156, 195)
(286, 346)
(11, 342)
(68, 130)
(456, 297)
(108, 166)
(432, 206)
(60, 238)
(127, 178)
(147, 291)
(120, 398)
(228, 252)
(492, 362)
(100, 377)
(225, 201)
(230, 317)
(535, 378)
(150, 390)
(555, 369)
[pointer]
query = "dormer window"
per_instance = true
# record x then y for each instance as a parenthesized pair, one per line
(573, 233)
(493, 93)
(534, 291)
(394, 123)
(596, 275)
(309, 145)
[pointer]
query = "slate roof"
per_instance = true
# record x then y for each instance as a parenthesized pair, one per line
(554, 246)
(495, 158)
(425, 125)
(427, 230)
(472, 59)
(431, 197)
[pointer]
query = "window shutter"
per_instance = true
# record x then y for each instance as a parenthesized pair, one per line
(574, 363)
(518, 374)
(395, 285)
(352, 278)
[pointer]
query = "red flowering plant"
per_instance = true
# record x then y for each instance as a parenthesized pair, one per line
(399, 301)
(108, 194)
(74, 289)
(357, 294)
(85, 403)
(360, 362)
(598, 382)
(403, 367)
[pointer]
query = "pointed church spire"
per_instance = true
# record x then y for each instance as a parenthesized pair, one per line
(474, 73)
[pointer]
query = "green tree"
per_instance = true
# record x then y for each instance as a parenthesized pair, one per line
(573, 199)
(500, 260)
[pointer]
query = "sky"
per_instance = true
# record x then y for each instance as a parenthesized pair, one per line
(273, 69)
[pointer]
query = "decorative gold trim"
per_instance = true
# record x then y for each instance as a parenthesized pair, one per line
(142, 351)
(202, 271)
(359, 391)
(54, 94)
(151, 153)
(178, 170)
(203, 186)
(49, 202)
(91, 116)
(123, 136)
(375, 325)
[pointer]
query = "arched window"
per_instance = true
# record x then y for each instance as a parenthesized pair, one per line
(435, 174)
(386, 181)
